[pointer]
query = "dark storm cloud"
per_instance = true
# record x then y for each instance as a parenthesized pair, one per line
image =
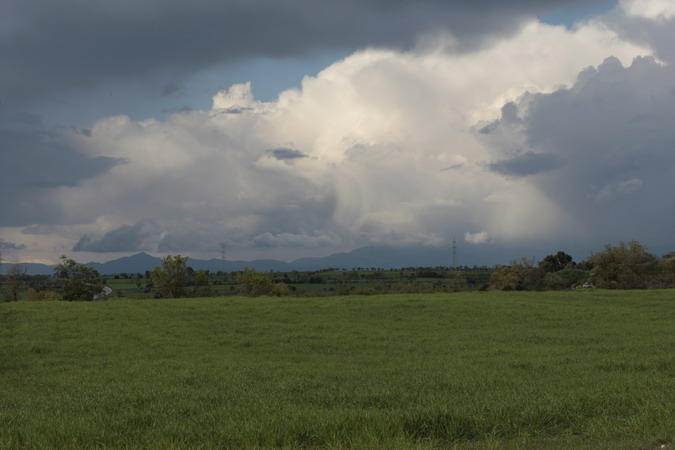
(614, 130)
(287, 153)
(182, 109)
(528, 163)
(186, 241)
(34, 162)
(173, 89)
(657, 35)
(128, 238)
(74, 43)
(235, 110)
(4, 245)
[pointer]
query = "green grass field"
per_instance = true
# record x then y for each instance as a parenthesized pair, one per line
(468, 370)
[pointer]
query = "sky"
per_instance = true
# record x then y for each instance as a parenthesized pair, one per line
(295, 128)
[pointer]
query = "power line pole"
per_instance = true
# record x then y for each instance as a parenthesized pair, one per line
(222, 258)
(454, 253)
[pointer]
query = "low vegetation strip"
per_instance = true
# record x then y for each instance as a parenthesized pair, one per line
(582, 369)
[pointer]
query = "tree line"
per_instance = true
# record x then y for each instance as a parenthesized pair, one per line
(173, 278)
(627, 265)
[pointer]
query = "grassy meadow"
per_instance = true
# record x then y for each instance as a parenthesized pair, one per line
(582, 369)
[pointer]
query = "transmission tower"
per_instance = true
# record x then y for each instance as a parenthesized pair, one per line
(454, 253)
(222, 257)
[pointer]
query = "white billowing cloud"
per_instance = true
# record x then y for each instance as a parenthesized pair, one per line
(481, 237)
(237, 98)
(381, 147)
(649, 9)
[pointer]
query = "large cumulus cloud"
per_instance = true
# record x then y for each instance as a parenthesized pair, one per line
(378, 148)
(531, 140)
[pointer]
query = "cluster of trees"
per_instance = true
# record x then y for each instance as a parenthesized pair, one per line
(80, 282)
(71, 282)
(623, 266)
(171, 278)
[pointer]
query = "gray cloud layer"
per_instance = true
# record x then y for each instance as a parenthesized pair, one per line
(34, 164)
(528, 163)
(75, 43)
(127, 238)
(287, 153)
(4, 245)
(612, 136)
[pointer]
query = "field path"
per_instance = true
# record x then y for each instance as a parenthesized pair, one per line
(104, 293)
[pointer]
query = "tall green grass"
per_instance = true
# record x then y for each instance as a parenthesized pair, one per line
(470, 370)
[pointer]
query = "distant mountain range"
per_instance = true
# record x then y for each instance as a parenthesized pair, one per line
(364, 257)
(384, 257)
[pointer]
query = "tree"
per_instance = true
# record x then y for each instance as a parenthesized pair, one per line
(15, 278)
(0, 268)
(80, 283)
(170, 278)
(667, 269)
(625, 266)
(202, 287)
(555, 263)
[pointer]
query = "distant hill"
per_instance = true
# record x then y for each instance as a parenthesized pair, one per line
(381, 257)
(138, 263)
(31, 268)
(141, 262)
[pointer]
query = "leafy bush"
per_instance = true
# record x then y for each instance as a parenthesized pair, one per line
(565, 279)
(202, 287)
(253, 284)
(280, 290)
(41, 296)
(666, 270)
(625, 266)
(519, 276)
